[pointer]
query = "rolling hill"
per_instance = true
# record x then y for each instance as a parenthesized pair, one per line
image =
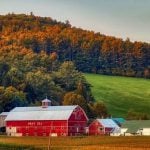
(91, 52)
(121, 94)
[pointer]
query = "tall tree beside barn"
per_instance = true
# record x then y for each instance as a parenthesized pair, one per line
(72, 98)
(99, 110)
(10, 97)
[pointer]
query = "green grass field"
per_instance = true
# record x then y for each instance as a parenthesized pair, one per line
(121, 93)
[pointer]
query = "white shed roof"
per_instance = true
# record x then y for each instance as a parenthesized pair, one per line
(108, 123)
(39, 113)
(4, 113)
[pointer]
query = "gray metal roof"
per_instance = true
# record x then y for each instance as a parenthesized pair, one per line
(4, 113)
(108, 123)
(39, 113)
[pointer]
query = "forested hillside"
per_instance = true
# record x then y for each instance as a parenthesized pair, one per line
(91, 52)
(41, 57)
(27, 77)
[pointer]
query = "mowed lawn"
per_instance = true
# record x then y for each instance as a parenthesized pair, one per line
(80, 143)
(121, 94)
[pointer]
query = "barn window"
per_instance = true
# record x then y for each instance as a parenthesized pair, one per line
(101, 129)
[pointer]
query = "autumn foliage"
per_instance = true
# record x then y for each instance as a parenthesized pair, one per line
(91, 52)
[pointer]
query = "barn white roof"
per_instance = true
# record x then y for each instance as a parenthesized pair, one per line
(108, 123)
(4, 113)
(39, 113)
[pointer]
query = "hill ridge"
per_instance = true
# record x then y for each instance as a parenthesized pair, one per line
(91, 52)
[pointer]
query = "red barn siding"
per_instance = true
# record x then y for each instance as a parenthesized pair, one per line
(73, 126)
(96, 128)
(77, 122)
(39, 128)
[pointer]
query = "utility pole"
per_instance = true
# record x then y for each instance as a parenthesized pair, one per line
(49, 138)
(49, 141)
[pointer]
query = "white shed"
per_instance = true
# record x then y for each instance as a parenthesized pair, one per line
(136, 127)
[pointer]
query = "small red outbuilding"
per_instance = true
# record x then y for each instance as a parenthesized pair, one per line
(103, 127)
(46, 120)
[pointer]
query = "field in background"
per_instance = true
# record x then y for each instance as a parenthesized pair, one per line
(121, 93)
(81, 143)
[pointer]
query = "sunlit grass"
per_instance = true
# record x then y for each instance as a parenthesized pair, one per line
(121, 93)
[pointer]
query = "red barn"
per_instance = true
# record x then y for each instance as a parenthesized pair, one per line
(103, 127)
(46, 120)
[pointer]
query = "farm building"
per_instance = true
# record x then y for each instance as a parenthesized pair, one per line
(135, 127)
(103, 127)
(119, 121)
(46, 120)
(3, 116)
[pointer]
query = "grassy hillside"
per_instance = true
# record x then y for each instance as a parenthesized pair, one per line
(121, 93)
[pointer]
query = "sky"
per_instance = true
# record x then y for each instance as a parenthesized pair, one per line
(120, 18)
